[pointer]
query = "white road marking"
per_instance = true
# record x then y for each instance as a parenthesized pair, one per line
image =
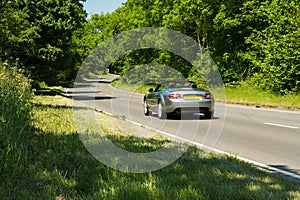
(281, 125)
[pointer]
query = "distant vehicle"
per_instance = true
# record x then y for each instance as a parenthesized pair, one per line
(178, 97)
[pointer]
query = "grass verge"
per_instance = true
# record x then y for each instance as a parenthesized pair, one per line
(61, 165)
(248, 95)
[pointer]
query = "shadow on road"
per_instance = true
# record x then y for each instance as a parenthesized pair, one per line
(186, 117)
(81, 92)
(93, 98)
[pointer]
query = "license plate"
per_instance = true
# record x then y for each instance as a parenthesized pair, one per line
(192, 97)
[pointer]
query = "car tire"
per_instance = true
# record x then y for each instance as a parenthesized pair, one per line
(146, 109)
(208, 115)
(161, 111)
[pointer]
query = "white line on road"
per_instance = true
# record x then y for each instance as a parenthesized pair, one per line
(281, 125)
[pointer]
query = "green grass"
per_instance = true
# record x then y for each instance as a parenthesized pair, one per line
(248, 95)
(59, 164)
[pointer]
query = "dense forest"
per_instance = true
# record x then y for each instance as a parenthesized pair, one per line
(251, 41)
(39, 37)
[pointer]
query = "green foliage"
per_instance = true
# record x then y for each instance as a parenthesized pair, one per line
(39, 34)
(15, 112)
(152, 57)
(248, 40)
(91, 34)
(274, 51)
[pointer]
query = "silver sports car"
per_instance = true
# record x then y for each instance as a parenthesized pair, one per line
(178, 97)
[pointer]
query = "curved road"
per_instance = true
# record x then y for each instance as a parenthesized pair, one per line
(268, 136)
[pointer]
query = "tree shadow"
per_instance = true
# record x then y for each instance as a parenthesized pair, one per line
(186, 117)
(70, 93)
(45, 106)
(47, 92)
(81, 98)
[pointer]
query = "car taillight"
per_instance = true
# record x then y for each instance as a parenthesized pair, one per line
(174, 96)
(207, 96)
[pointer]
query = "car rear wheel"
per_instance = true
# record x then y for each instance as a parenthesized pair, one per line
(146, 109)
(208, 115)
(161, 111)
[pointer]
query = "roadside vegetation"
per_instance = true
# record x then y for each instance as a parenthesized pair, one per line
(15, 129)
(248, 95)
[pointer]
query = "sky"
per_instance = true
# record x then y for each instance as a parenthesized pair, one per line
(99, 6)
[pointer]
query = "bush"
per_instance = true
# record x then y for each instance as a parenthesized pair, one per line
(15, 110)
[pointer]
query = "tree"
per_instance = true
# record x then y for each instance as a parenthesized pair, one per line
(249, 40)
(274, 49)
(16, 32)
(40, 35)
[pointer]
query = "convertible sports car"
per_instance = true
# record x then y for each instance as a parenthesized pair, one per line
(178, 97)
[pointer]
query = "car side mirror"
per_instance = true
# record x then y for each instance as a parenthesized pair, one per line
(150, 90)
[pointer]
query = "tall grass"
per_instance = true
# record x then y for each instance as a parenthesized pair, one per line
(15, 110)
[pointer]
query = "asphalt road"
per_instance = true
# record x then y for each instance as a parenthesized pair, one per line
(268, 136)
